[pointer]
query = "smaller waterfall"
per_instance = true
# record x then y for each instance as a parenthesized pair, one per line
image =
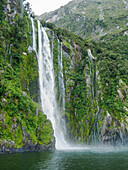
(52, 44)
(61, 76)
(93, 83)
(62, 79)
(10, 50)
(22, 7)
(91, 74)
(7, 46)
(33, 34)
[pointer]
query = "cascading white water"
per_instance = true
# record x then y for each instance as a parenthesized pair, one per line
(92, 58)
(91, 77)
(22, 7)
(10, 50)
(96, 125)
(52, 44)
(33, 34)
(47, 87)
(62, 79)
(7, 46)
(61, 76)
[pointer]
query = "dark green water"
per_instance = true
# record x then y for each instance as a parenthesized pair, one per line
(92, 159)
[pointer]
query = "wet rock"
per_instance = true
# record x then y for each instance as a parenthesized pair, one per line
(23, 128)
(7, 93)
(14, 120)
(24, 93)
(4, 101)
(1, 71)
(37, 111)
(2, 118)
(24, 139)
(38, 128)
(10, 147)
(65, 48)
(30, 49)
(116, 135)
(25, 53)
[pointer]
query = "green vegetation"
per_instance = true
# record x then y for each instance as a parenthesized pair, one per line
(112, 65)
(21, 119)
(91, 18)
(96, 88)
(81, 108)
(62, 33)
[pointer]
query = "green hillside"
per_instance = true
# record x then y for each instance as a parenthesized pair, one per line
(23, 126)
(91, 18)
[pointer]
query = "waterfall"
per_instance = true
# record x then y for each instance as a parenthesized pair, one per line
(91, 76)
(62, 79)
(93, 83)
(47, 87)
(7, 46)
(10, 49)
(61, 76)
(52, 44)
(33, 34)
(22, 7)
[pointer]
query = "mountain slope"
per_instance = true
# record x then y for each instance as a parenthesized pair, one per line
(91, 18)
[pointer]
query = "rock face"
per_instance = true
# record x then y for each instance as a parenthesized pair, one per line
(21, 139)
(103, 90)
(118, 135)
(114, 131)
(10, 147)
(65, 48)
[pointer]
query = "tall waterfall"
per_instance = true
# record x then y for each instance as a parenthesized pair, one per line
(47, 87)
(61, 76)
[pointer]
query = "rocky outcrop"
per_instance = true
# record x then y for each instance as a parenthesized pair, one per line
(23, 126)
(65, 48)
(28, 145)
(9, 146)
(114, 132)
